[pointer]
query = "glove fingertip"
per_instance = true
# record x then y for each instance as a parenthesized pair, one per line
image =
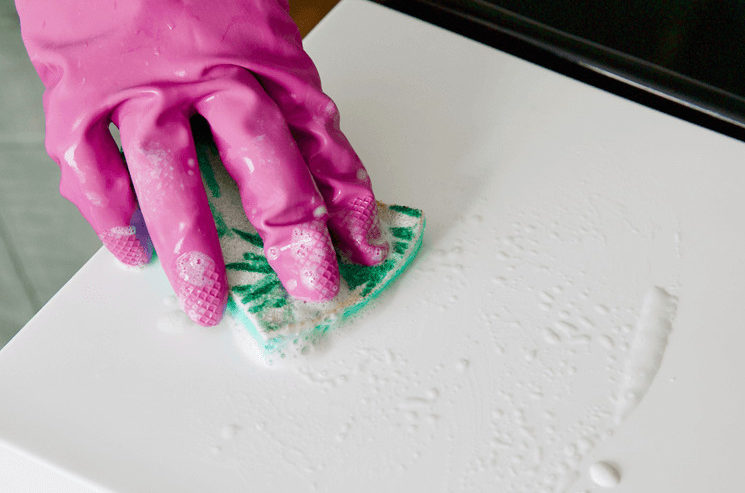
(201, 287)
(357, 229)
(127, 246)
(306, 262)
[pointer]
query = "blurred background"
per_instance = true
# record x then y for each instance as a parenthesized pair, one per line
(43, 239)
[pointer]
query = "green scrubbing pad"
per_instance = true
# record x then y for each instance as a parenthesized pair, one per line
(280, 324)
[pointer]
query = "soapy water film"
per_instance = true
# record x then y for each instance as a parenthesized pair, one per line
(494, 402)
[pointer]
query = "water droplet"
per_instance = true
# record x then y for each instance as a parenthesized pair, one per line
(606, 342)
(340, 379)
(546, 297)
(462, 365)
(229, 431)
(550, 336)
(565, 327)
(604, 475)
(601, 309)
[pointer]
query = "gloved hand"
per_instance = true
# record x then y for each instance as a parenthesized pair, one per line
(147, 66)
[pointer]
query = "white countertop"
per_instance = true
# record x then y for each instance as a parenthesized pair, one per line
(554, 211)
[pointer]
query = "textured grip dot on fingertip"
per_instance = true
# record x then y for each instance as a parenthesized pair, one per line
(323, 279)
(126, 245)
(359, 222)
(201, 291)
(313, 252)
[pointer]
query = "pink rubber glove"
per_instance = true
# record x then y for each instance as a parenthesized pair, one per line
(148, 66)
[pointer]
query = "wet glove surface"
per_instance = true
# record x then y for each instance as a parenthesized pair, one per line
(148, 66)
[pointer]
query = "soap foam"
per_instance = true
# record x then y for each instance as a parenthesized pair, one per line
(647, 349)
(536, 317)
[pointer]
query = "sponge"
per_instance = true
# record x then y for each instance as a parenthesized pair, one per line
(280, 324)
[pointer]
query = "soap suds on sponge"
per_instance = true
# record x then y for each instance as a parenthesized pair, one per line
(278, 323)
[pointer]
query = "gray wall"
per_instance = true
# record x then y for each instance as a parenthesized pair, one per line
(43, 240)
